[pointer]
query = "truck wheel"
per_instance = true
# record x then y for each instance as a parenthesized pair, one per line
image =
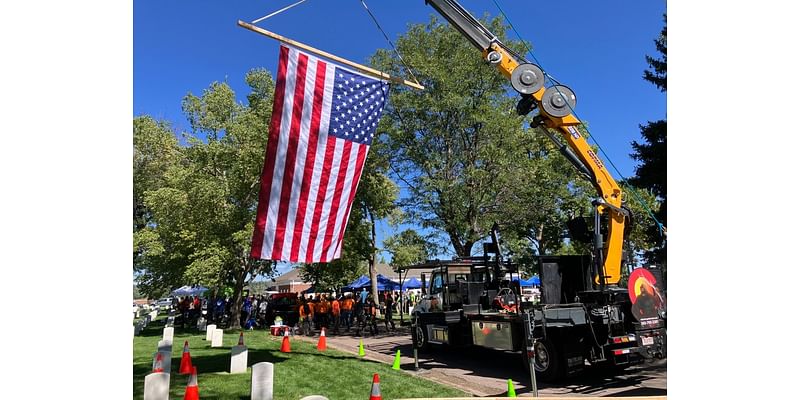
(547, 361)
(422, 338)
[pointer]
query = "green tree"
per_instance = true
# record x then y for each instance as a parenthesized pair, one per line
(199, 200)
(409, 247)
(376, 200)
(651, 154)
(464, 157)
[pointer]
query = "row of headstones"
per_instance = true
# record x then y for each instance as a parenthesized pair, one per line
(137, 329)
(156, 385)
(140, 311)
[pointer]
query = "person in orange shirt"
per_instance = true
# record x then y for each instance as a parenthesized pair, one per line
(324, 308)
(347, 312)
(336, 314)
(306, 311)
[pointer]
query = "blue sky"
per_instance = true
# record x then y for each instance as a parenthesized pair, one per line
(595, 48)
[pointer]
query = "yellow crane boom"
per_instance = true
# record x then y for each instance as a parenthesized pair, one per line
(555, 112)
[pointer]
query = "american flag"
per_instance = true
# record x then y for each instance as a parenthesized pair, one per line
(323, 121)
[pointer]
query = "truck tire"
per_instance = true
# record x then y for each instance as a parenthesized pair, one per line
(548, 360)
(422, 338)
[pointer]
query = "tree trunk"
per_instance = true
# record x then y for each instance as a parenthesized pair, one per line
(373, 274)
(466, 250)
(539, 237)
(456, 242)
(237, 300)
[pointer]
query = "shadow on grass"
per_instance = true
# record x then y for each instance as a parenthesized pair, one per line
(206, 364)
(220, 363)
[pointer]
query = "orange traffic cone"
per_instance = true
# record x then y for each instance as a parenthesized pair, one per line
(186, 360)
(285, 346)
(376, 388)
(192, 392)
(241, 339)
(322, 344)
(158, 363)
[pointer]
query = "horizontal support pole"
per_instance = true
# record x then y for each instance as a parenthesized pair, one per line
(362, 68)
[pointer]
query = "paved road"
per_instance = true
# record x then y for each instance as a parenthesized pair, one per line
(483, 372)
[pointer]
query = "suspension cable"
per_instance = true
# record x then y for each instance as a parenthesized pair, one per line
(276, 12)
(375, 20)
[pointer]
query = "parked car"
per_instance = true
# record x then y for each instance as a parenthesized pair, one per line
(283, 305)
(165, 302)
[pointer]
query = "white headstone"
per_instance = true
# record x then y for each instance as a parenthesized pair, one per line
(166, 360)
(201, 324)
(261, 381)
(210, 331)
(216, 338)
(156, 386)
(238, 359)
(165, 346)
(168, 334)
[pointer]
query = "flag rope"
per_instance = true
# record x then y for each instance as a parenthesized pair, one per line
(277, 12)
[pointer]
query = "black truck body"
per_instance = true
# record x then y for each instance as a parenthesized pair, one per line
(471, 302)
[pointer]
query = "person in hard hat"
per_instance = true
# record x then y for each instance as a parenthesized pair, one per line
(323, 309)
(359, 317)
(306, 312)
(347, 311)
(336, 313)
(389, 303)
(315, 306)
(371, 315)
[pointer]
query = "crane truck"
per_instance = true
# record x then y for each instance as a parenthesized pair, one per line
(584, 315)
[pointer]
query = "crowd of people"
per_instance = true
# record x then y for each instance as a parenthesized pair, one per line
(355, 311)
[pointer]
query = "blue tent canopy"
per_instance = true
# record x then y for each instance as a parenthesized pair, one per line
(385, 283)
(412, 283)
(532, 281)
(363, 281)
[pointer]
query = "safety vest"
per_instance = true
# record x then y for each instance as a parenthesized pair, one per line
(348, 304)
(335, 307)
(303, 311)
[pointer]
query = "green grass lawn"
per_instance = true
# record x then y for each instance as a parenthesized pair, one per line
(303, 372)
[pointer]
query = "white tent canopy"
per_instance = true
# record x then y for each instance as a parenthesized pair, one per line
(187, 290)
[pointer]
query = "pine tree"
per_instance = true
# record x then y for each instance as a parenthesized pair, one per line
(651, 171)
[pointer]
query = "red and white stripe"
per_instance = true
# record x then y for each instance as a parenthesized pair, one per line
(309, 178)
